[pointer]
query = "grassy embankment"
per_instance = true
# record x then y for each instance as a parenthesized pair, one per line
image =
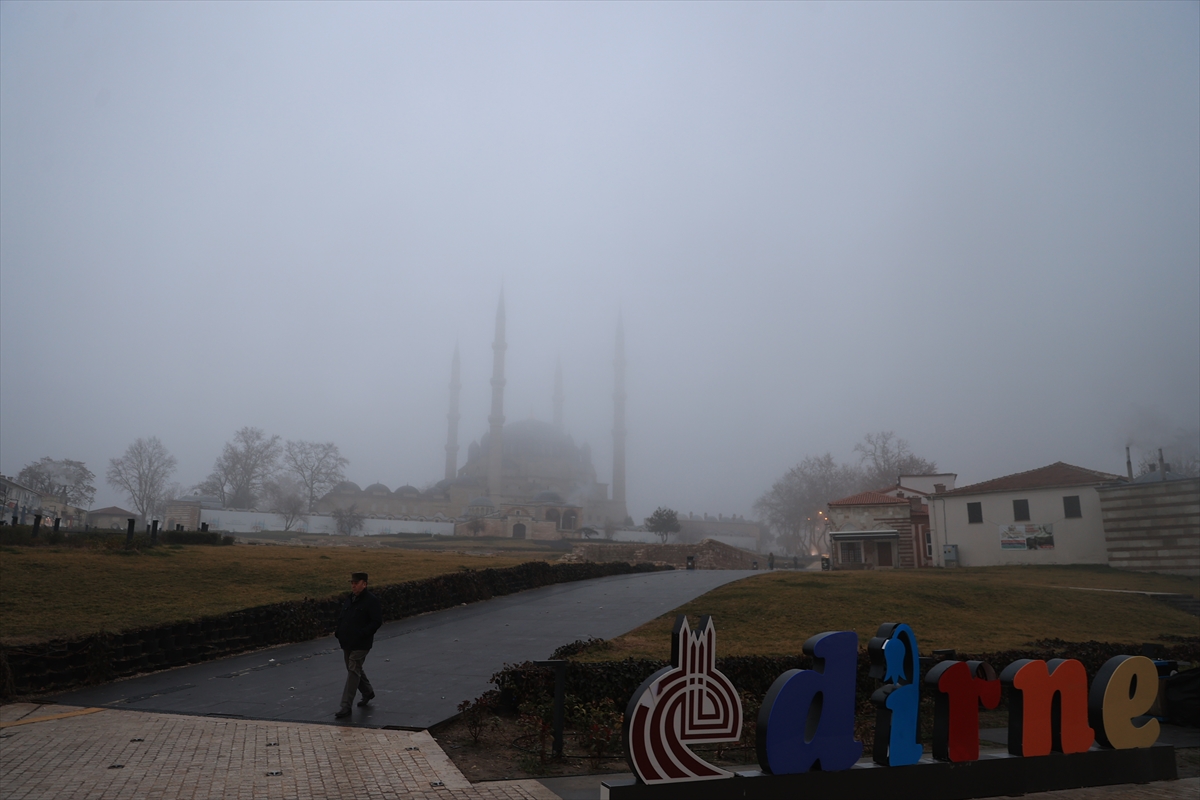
(49, 593)
(972, 610)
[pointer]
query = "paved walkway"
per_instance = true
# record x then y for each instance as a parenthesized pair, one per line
(57, 753)
(128, 754)
(421, 667)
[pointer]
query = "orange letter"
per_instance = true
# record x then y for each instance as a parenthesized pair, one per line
(1125, 687)
(1048, 708)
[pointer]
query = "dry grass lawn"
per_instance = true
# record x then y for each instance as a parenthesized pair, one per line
(48, 593)
(972, 610)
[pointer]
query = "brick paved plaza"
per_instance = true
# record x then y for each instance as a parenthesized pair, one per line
(68, 752)
(182, 757)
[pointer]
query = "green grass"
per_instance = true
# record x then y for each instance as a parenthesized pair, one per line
(971, 609)
(49, 593)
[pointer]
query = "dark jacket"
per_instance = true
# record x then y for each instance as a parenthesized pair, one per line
(358, 620)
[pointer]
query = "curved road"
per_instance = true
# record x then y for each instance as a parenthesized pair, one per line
(422, 667)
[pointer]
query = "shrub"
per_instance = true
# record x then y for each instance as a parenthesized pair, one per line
(598, 725)
(479, 714)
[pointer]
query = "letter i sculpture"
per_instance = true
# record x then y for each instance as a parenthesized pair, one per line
(894, 660)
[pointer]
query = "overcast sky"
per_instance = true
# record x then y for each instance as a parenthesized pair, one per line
(977, 225)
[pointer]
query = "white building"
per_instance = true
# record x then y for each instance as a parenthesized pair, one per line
(1049, 515)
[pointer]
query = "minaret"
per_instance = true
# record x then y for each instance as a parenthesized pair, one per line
(452, 420)
(618, 481)
(558, 396)
(496, 418)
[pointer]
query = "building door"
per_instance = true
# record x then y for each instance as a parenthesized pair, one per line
(519, 531)
(885, 553)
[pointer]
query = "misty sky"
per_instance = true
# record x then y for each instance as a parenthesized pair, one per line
(977, 225)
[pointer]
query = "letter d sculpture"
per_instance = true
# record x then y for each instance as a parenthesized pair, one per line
(686, 703)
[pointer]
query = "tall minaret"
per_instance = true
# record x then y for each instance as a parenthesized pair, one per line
(452, 420)
(558, 396)
(496, 418)
(618, 482)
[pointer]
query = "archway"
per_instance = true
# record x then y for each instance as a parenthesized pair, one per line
(568, 521)
(552, 515)
(519, 531)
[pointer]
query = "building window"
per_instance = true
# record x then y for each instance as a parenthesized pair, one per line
(851, 554)
(929, 544)
(1020, 511)
(1071, 509)
(975, 513)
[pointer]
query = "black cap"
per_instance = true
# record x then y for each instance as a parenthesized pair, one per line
(358, 576)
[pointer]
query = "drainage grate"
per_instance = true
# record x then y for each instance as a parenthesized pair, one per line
(116, 766)
(436, 783)
(138, 739)
(274, 773)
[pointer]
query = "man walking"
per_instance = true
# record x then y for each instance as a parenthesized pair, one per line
(360, 617)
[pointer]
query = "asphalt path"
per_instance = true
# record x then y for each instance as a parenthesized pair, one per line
(421, 667)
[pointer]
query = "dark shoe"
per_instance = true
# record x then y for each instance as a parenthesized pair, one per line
(366, 699)
(342, 712)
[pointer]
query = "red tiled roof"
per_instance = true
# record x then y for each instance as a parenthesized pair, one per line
(1048, 477)
(870, 499)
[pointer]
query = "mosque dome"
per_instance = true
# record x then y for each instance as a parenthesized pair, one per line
(377, 488)
(548, 496)
(480, 502)
(408, 490)
(347, 487)
(534, 454)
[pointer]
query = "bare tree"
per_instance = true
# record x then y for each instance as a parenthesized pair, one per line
(286, 497)
(884, 458)
(319, 466)
(142, 473)
(791, 506)
(348, 520)
(69, 482)
(245, 464)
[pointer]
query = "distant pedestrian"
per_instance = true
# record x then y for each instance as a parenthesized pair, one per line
(770, 561)
(360, 617)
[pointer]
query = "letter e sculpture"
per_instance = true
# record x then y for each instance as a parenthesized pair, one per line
(1124, 688)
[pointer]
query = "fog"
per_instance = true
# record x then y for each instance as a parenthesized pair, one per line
(977, 225)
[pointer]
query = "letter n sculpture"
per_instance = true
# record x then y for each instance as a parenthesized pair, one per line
(687, 703)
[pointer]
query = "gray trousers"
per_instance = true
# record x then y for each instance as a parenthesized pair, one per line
(356, 679)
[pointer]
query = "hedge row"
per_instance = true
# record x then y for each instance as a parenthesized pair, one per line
(618, 680)
(65, 664)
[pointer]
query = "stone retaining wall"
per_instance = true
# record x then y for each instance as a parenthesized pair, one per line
(709, 554)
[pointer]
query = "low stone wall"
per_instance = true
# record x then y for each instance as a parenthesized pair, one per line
(709, 554)
(65, 664)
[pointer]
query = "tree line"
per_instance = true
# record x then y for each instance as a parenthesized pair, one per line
(793, 506)
(254, 470)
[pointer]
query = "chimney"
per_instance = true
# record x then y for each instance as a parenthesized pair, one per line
(1128, 464)
(1162, 467)
(914, 503)
(938, 488)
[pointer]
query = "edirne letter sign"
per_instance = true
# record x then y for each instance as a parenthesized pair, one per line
(1060, 732)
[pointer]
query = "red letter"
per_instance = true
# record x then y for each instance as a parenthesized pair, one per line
(961, 687)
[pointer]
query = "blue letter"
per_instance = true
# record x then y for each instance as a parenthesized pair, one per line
(894, 660)
(807, 717)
